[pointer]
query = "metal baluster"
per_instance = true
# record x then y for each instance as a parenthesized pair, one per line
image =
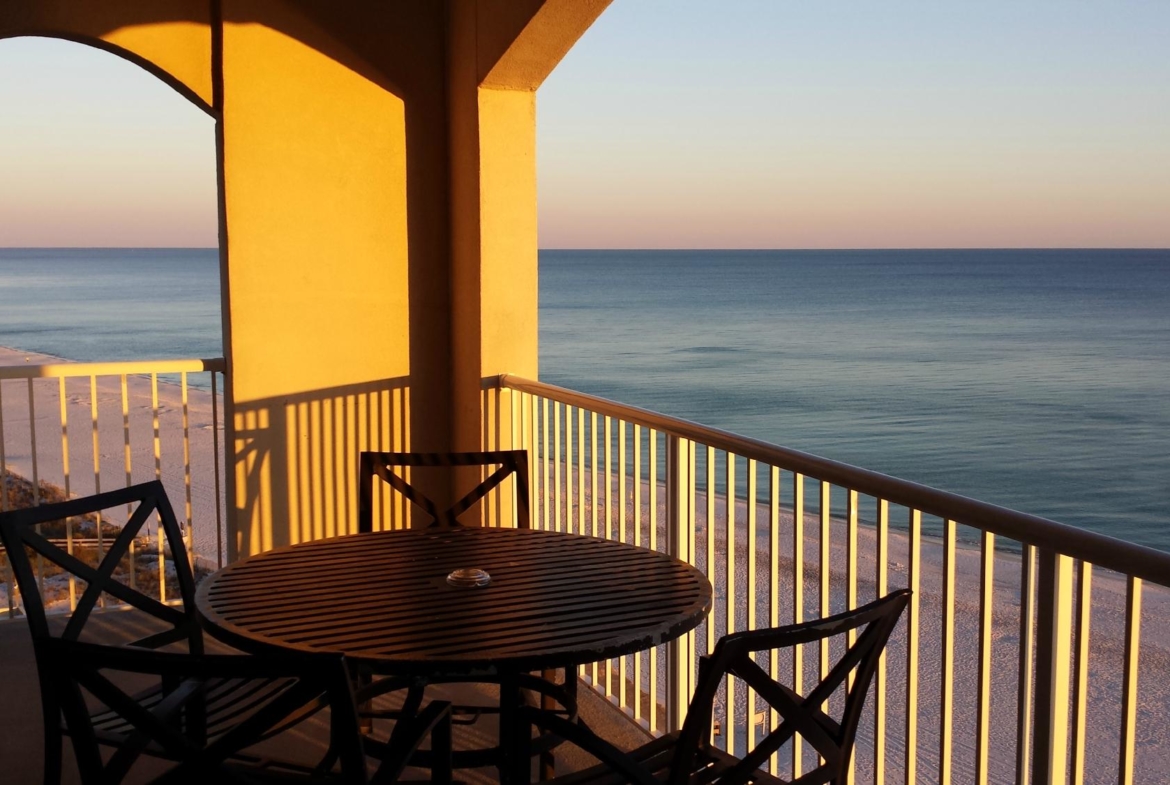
(580, 470)
(608, 526)
(881, 584)
(797, 607)
(653, 460)
(676, 688)
(593, 504)
(1053, 647)
(637, 544)
(1084, 615)
(729, 591)
(774, 593)
(1024, 664)
(912, 624)
(97, 467)
(851, 593)
(556, 414)
(826, 544)
(1129, 686)
(752, 519)
(947, 644)
(9, 586)
(36, 482)
(162, 562)
(544, 456)
(986, 619)
(65, 469)
(622, 512)
(187, 474)
(129, 476)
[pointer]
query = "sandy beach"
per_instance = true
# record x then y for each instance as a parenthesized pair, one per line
(79, 473)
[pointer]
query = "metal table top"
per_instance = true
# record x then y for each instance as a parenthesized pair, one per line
(383, 600)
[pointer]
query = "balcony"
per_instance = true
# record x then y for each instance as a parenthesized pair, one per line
(1024, 656)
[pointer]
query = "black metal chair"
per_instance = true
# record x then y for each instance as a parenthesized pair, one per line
(381, 465)
(687, 756)
(201, 711)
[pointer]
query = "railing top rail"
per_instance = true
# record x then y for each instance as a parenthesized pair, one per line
(1102, 550)
(67, 369)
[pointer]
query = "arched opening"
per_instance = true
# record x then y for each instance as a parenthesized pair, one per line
(109, 257)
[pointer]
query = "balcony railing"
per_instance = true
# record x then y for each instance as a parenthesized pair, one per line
(72, 429)
(1018, 659)
(1017, 662)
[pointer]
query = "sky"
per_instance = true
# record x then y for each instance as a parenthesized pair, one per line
(96, 151)
(688, 124)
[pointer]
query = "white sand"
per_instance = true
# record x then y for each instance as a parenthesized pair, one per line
(18, 438)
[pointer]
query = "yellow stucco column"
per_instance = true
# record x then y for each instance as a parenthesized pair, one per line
(499, 52)
(316, 280)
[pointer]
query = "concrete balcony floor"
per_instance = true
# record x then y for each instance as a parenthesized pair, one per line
(21, 741)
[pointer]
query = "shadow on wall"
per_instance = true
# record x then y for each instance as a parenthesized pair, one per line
(295, 460)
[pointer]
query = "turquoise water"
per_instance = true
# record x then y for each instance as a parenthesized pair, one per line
(1035, 379)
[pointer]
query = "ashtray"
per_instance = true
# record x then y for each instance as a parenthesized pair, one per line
(469, 578)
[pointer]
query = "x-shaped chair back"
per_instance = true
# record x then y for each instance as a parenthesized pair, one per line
(801, 715)
(382, 464)
(19, 535)
(290, 686)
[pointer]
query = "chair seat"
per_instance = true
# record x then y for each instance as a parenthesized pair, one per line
(229, 701)
(655, 756)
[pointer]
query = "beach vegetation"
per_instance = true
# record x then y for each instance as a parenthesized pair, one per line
(80, 537)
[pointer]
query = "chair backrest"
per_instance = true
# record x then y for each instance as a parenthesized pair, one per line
(382, 465)
(285, 689)
(800, 715)
(18, 531)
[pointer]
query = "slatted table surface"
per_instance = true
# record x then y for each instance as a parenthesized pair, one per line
(554, 600)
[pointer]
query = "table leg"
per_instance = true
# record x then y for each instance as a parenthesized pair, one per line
(514, 763)
(548, 765)
(363, 679)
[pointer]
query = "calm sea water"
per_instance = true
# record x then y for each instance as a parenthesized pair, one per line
(111, 303)
(1035, 379)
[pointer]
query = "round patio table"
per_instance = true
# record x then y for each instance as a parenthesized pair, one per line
(383, 599)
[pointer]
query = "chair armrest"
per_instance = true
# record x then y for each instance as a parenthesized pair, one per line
(580, 735)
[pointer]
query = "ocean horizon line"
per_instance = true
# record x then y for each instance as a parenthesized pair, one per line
(706, 249)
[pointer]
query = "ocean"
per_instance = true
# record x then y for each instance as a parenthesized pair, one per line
(1039, 380)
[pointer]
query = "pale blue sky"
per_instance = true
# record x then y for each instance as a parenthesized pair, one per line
(858, 124)
(95, 151)
(704, 124)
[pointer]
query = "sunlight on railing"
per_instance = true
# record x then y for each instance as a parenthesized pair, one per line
(993, 675)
